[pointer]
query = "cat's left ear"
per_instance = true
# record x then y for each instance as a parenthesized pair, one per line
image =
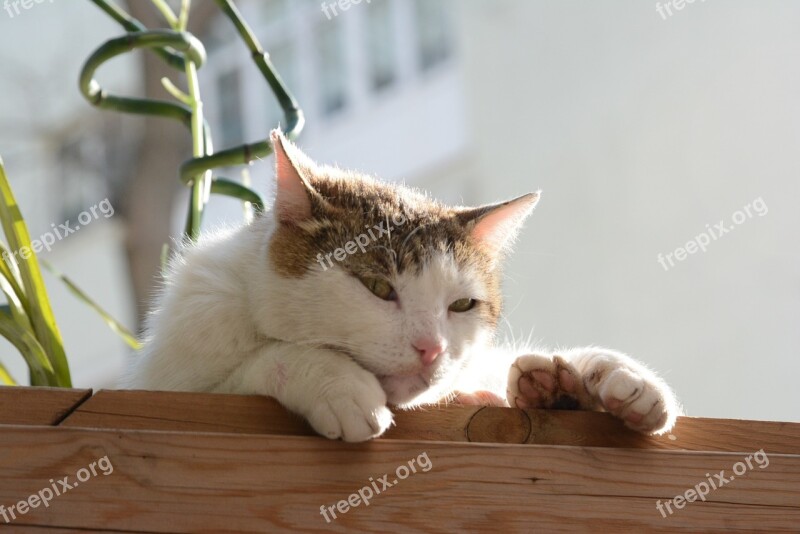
(494, 227)
(294, 194)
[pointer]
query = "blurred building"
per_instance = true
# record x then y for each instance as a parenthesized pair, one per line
(643, 132)
(380, 85)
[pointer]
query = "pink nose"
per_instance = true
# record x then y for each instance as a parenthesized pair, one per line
(429, 349)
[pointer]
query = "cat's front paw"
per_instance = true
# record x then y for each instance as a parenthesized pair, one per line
(591, 380)
(631, 393)
(352, 408)
(538, 381)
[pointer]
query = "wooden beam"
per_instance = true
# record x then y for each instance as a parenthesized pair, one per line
(198, 412)
(188, 482)
(38, 405)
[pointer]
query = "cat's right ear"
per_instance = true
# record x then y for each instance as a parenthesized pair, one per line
(293, 196)
(495, 226)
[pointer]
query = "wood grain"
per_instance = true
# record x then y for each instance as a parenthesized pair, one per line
(214, 482)
(194, 412)
(197, 412)
(38, 405)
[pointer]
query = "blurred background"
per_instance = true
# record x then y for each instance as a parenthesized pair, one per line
(644, 124)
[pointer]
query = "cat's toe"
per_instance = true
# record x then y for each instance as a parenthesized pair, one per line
(362, 425)
(537, 381)
(355, 412)
(644, 405)
(349, 422)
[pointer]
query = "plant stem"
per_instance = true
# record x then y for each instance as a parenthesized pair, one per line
(183, 17)
(166, 11)
(132, 25)
(179, 48)
(173, 89)
(199, 188)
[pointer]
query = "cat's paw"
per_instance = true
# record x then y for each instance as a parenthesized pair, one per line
(633, 394)
(537, 381)
(352, 408)
(594, 379)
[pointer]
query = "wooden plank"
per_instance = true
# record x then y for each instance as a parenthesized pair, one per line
(193, 412)
(258, 415)
(38, 405)
(31, 529)
(213, 482)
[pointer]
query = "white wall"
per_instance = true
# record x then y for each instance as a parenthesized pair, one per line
(641, 131)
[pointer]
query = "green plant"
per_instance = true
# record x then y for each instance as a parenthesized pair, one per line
(182, 51)
(27, 319)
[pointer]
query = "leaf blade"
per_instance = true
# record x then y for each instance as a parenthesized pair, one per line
(41, 369)
(41, 314)
(5, 377)
(127, 336)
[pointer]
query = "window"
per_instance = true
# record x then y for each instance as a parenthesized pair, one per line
(433, 32)
(380, 45)
(229, 97)
(329, 63)
(331, 67)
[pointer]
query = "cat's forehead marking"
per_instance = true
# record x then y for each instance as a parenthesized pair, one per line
(402, 230)
(397, 226)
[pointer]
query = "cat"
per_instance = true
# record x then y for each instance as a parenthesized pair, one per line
(351, 295)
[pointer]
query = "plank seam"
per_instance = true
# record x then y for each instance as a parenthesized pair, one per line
(87, 395)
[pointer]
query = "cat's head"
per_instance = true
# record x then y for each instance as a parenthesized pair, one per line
(405, 286)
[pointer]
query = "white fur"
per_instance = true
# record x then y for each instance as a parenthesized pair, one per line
(327, 348)
(227, 322)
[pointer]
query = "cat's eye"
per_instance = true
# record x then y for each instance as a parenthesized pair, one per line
(462, 305)
(379, 287)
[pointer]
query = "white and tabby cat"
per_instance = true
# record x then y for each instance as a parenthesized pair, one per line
(409, 321)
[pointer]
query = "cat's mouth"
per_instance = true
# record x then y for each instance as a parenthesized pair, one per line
(418, 373)
(403, 389)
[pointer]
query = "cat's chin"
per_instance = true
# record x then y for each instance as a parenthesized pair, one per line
(405, 390)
